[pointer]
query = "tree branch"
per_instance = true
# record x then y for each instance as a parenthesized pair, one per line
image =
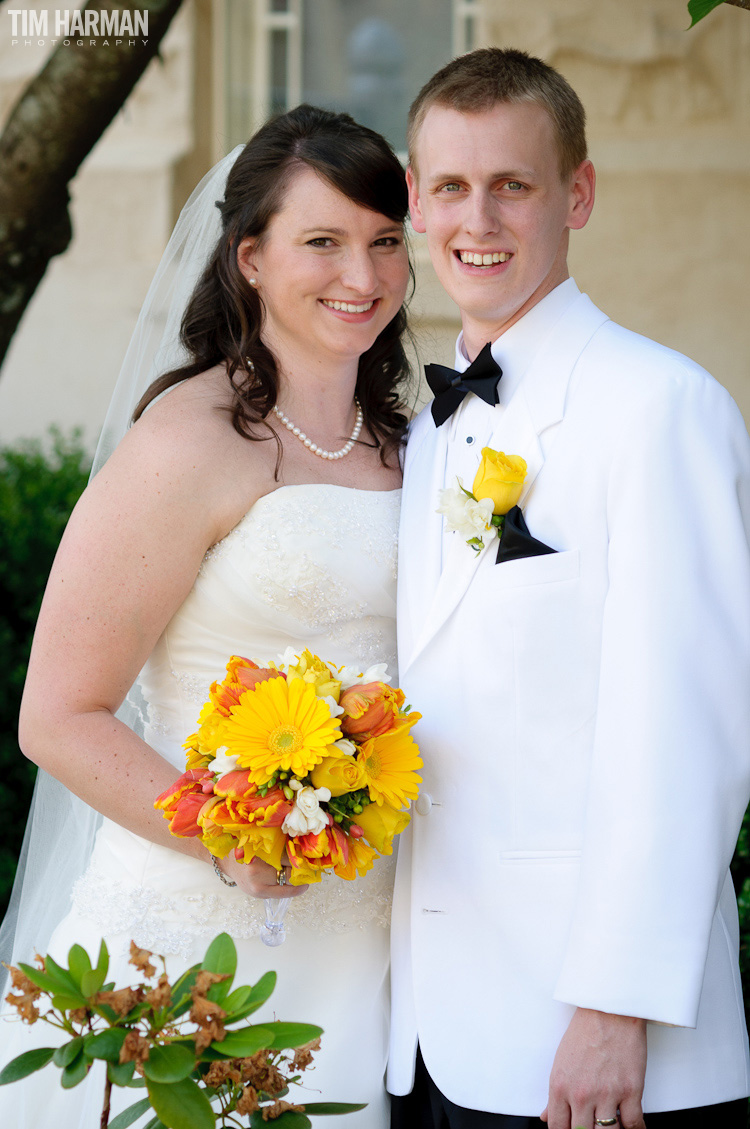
(54, 125)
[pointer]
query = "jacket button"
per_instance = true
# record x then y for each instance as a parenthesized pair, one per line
(423, 803)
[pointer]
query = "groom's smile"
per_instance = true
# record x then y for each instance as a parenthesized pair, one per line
(482, 259)
(486, 187)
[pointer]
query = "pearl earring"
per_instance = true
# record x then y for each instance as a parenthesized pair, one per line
(253, 281)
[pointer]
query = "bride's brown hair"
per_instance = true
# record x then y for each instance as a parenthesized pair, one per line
(224, 317)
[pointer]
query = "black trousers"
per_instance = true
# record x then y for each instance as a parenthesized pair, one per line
(427, 1108)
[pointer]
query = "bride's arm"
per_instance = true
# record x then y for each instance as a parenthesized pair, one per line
(126, 563)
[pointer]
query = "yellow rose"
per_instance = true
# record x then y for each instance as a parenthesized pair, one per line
(317, 673)
(380, 823)
(210, 735)
(339, 775)
(500, 478)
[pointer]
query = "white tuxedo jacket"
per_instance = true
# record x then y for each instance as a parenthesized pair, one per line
(585, 734)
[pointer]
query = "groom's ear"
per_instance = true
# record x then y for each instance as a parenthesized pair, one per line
(415, 210)
(582, 191)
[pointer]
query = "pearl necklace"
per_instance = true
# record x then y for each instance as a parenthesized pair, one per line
(316, 450)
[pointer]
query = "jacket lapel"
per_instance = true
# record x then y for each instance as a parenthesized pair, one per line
(525, 427)
(420, 530)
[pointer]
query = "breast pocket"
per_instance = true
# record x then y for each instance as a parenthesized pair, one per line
(552, 568)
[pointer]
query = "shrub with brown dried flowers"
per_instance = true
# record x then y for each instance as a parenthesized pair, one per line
(187, 1044)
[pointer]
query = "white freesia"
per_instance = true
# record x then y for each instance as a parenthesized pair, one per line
(345, 746)
(349, 676)
(289, 658)
(464, 514)
(307, 816)
(333, 705)
(222, 762)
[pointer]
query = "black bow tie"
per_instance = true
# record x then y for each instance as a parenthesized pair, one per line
(449, 387)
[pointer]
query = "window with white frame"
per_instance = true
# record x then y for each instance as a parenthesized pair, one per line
(367, 57)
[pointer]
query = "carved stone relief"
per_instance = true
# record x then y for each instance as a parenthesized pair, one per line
(632, 61)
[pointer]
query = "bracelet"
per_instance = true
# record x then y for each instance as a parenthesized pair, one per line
(221, 874)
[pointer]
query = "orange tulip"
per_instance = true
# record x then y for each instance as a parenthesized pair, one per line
(182, 803)
(242, 675)
(370, 710)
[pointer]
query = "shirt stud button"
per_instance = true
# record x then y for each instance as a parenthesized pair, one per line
(469, 439)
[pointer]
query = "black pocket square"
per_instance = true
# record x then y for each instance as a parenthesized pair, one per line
(516, 541)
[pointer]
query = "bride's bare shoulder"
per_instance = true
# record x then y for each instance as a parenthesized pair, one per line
(186, 442)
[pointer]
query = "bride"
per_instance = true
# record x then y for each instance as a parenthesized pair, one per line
(217, 527)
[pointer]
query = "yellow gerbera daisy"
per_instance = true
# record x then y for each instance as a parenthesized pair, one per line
(280, 725)
(390, 763)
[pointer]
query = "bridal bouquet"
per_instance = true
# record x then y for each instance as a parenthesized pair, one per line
(298, 762)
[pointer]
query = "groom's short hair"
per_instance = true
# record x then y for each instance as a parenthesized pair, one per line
(480, 80)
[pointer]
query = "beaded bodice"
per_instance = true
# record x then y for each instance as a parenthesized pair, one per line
(308, 566)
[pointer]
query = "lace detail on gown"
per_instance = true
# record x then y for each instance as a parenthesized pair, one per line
(169, 924)
(308, 566)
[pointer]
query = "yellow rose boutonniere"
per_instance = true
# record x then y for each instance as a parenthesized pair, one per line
(496, 490)
(500, 478)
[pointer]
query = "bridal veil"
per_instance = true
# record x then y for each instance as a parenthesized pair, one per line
(61, 828)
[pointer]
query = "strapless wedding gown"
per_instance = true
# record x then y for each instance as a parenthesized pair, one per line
(308, 566)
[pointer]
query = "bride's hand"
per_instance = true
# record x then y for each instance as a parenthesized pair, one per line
(259, 879)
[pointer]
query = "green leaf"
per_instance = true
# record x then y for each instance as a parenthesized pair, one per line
(75, 1072)
(181, 989)
(242, 1044)
(66, 1054)
(290, 1035)
(288, 1120)
(332, 1107)
(102, 961)
(700, 8)
(26, 1064)
(93, 981)
(121, 1074)
(181, 1105)
(259, 993)
(67, 1002)
(106, 1044)
(221, 956)
(237, 999)
(169, 1064)
(186, 981)
(154, 1123)
(131, 1114)
(68, 984)
(78, 962)
(46, 980)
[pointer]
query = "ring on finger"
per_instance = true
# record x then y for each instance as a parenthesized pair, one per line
(281, 881)
(605, 1121)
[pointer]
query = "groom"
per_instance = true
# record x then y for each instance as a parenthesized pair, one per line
(565, 928)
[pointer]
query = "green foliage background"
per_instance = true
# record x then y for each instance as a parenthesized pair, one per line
(39, 485)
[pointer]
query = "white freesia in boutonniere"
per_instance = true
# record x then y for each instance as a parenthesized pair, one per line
(480, 511)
